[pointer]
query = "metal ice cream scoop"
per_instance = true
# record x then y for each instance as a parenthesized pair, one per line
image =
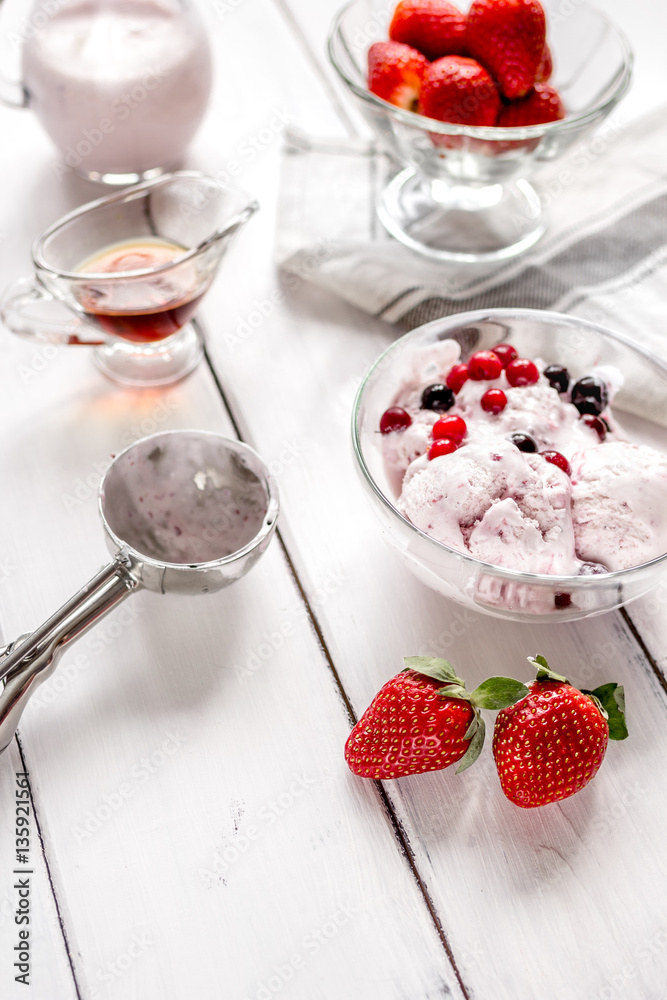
(185, 512)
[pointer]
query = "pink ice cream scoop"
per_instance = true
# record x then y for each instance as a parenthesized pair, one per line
(619, 508)
(542, 479)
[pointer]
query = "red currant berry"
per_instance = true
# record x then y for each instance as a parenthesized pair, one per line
(556, 458)
(596, 424)
(484, 366)
(562, 600)
(521, 372)
(506, 353)
(394, 419)
(493, 401)
(457, 376)
(450, 427)
(443, 446)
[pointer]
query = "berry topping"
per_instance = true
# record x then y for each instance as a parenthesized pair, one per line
(443, 446)
(521, 372)
(457, 376)
(437, 397)
(590, 395)
(493, 401)
(394, 419)
(506, 353)
(596, 424)
(559, 377)
(592, 569)
(556, 458)
(484, 366)
(450, 427)
(562, 600)
(524, 442)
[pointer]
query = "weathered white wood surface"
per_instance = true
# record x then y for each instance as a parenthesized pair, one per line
(202, 833)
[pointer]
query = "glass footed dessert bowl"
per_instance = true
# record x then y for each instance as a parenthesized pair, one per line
(463, 193)
(638, 415)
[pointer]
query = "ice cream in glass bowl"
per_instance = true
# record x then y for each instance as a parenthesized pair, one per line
(461, 191)
(517, 461)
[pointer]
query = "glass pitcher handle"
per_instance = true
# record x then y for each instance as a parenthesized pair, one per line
(18, 312)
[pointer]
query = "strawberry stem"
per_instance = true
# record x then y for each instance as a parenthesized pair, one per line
(543, 671)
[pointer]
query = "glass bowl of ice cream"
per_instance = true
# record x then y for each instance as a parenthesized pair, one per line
(462, 190)
(528, 482)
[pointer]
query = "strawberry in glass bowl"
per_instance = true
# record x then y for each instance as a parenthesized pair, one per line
(470, 102)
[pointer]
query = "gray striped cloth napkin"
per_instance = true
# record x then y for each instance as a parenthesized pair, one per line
(604, 257)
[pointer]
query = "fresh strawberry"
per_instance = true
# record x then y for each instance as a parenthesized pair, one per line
(543, 104)
(546, 67)
(424, 720)
(435, 27)
(551, 743)
(395, 73)
(458, 90)
(508, 37)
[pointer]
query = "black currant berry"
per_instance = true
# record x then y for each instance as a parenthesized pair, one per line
(437, 397)
(590, 395)
(524, 442)
(559, 377)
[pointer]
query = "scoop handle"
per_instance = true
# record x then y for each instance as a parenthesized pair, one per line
(31, 659)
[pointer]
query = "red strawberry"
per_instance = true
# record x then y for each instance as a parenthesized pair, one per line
(424, 720)
(551, 743)
(546, 67)
(508, 37)
(458, 90)
(435, 27)
(543, 104)
(395, 73)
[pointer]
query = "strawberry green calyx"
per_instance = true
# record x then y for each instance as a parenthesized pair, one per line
(610, 699)
(543, 671)
(434, 667)
(493, 693)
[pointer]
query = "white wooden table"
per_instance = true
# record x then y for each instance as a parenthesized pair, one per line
(195, 831)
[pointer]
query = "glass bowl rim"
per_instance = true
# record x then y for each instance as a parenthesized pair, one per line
(468, 319)
(619, 87)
